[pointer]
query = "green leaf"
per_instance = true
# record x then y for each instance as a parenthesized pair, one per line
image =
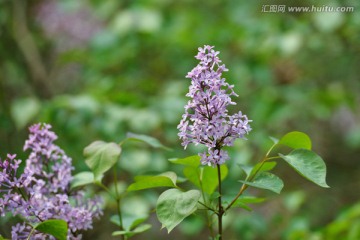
(137, 230)
(171, 175)
(137, 222)
(167, 179)
(308, 164)
(258, 168)
(240, 204)
(81, 179)
(173, 206)
(214, 195)
(250, 199)
(193, 175)
(266, 180)
(115, 220)
(205, 177)
(55, 227)
(181, 179)
(101, 156)
(296, 140)
(262, 167)
(119, 233)
(192, 161)
(146, 139)
(244, 200)
(246, 168)
(209, 178)
(275, 140)
(129, 221)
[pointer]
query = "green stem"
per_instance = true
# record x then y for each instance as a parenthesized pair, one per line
(244, 186)
(117, 198)
(271, 158)
(118, 203)
(208, 217)
(208, 208)
(221, 209)
(122, 142)
(242, 189)
(268, 152)
(31, 233)
(106, 189)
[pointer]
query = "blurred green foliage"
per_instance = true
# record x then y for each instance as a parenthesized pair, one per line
(99, 69)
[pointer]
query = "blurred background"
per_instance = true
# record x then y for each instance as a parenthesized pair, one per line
(98, 69)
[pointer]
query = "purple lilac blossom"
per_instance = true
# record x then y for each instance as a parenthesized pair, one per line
(42, 192)
(47, 161)
(67, 29)
(206, 120)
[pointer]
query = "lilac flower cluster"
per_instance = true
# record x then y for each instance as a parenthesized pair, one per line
(206, 120)
(42, 191)
(67, 29)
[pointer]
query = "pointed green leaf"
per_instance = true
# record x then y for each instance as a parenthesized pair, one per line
(244, 200)
(129, 221)
(119, 233)
(167, 179)
(173, 206)
(81, 179)
(266, 180)
(262, 167)
(275, 140)
(101, 156)
(181, 179)
(193, 161)
(137, 230)
(137, 222)
(151, 182)
(246, 168)
(169, 174)
(250, 199)
(308, 164)
(240, 204)
(209, 178)
(193, 175)
(296, 140)
(205, 177)
(214, 195)
(141, 228)
(115, 220)
(55, 227)
(146, 139)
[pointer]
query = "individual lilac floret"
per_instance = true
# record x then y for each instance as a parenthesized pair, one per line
(206, 120)
(43, 192)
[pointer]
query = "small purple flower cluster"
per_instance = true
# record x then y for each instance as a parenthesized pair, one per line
(42, 191)
(206, 120)
(67, 29)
